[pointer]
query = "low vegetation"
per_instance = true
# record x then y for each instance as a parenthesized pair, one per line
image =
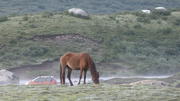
(3, 18)
(89, 92)
(123, 89)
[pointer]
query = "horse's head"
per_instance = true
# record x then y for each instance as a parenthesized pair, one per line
(95, 78)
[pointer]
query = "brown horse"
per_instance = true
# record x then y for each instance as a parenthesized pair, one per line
(77, 61)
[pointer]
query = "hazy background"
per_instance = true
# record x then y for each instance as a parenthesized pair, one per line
(92, 6)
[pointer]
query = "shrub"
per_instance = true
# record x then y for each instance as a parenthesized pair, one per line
(140, 14)
(164, 18)
(13, 41)
(25, 18)
(113, 17)
(171, 51)
(161, 13)
(159, 21)
(143, 19)
(165, 30)
(79, 16)
(47, 14)
(153, 43)
(36, 51)
(137, 26)
(33, 26)
(129, 32)
(178, 46)
(3, 18)
(153, 16)
(176, 22)
(157, 14)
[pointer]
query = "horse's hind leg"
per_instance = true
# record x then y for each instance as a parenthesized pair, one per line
(61, 77)
(69, 76)
(81, 72)
(85, 71)
(63, 69)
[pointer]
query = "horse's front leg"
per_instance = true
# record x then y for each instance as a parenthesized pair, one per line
(81, 71)
(85, 71)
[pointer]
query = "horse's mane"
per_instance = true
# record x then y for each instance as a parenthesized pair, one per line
(92, 66)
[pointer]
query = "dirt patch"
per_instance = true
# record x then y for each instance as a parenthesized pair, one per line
(65, 37)
(72, 42)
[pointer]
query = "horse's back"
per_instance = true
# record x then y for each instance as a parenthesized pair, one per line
(75, 60)
(71, 55)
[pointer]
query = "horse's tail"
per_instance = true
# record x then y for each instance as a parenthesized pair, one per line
(60, 76)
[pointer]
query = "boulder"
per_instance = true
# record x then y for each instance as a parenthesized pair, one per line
(78, 13)
(146, 11)
(7, 77)
(161, 11)
(161, 8)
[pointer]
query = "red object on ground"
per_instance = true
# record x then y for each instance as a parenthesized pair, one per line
(43, 80)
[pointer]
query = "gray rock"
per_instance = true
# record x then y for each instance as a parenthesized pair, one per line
(7, 77)
(161, 8)
(146, 11)
(78, 12)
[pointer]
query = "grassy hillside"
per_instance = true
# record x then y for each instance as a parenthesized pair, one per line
(148, 44)
(92, 6)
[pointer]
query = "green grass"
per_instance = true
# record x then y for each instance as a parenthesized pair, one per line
(147, 47)
(114, 91)
(89, 92)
